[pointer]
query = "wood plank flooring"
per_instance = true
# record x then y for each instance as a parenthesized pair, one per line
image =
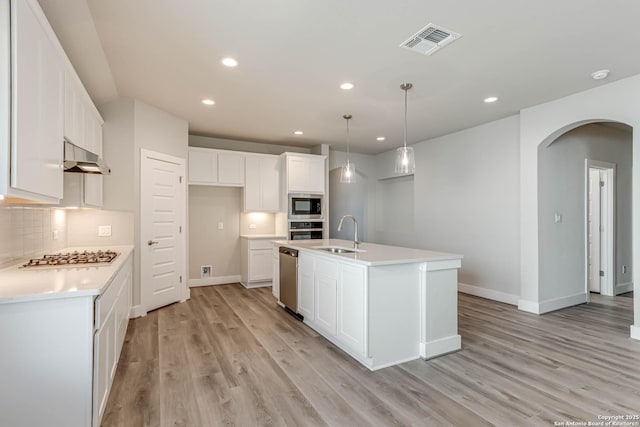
(231, 357)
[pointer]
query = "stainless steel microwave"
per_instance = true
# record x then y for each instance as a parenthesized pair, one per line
(305, 206)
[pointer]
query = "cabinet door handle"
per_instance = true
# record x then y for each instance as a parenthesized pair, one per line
(152, 242)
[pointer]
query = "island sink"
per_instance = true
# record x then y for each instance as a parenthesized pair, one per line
(338, 249)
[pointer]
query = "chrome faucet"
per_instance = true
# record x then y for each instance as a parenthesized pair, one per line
(356, 242)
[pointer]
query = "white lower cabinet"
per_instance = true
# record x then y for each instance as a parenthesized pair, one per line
(351, 306)
(306, 293)
(332, 297)
(275, 288)
(325, 283)
(112, 318)
(257, 261)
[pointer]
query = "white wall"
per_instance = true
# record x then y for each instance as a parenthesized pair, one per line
(82, 227)
(466, 201)
(131, 125)
(235, 145)
(208, 245)
(618, 101)
(357, 199)
(462, 199)
(561, 189)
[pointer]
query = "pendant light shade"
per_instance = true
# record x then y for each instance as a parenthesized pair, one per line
(348, 170)
(405, 160)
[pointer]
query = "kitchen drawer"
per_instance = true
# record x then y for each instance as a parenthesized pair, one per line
(260, 244)
(105, 302)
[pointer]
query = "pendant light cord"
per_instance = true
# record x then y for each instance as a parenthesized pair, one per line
(348, 140)
(405, 117)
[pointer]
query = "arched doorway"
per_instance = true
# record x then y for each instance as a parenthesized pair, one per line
(583, 224)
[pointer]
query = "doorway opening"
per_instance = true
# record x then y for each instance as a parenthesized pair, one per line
(600, 227)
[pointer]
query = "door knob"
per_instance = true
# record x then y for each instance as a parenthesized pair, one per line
(152, 242)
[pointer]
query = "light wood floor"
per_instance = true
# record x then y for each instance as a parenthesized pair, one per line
(230, 356)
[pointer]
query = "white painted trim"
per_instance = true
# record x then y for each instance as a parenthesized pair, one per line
(488, 293)
(263, 284)
(431, 349)
(445, 264)
(137, 311)
(635, 332)
(622, 288)
(562, 302)
(216, 280)
(397, 362)
(529, 306)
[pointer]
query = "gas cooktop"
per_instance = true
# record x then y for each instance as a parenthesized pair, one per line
(73, 259)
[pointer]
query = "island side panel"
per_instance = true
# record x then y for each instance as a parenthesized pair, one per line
(394, 314)
(439, 312)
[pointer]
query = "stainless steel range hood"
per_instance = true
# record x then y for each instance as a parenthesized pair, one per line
(79, 160)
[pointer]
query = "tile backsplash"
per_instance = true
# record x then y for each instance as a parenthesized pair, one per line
(30, 231)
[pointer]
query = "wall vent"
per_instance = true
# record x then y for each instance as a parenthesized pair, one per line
(430, 39)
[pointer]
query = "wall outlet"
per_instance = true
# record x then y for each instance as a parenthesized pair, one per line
(558, 218)
(54, 235)
(205, 271)
(624, 269)
(220, 225)
(104, 230)
(252, 226)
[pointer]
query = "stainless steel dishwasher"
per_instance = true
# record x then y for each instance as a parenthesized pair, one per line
(289, 280)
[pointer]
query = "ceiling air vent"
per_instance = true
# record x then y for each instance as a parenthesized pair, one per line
(430, 39)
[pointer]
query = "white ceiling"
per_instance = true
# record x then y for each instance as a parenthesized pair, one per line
(294, 54)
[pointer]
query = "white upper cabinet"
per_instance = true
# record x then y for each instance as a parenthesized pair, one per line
(82, 122)
(305, 173)
(37, 122)
(216, 167)
(231, 168)
(47, 104)
(262, 183)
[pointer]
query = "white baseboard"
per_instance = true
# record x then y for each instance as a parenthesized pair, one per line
(622, 288)
(431, 349)
(528, 306)
(551, 304)
(488, 293)
(137, 311)
(635, 332)
(562, 302)
(256, 284)
(218, 280)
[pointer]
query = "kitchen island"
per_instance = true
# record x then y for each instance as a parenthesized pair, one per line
(383, 305)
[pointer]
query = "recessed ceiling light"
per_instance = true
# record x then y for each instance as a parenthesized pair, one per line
(208, 101)
(347, 86)
(600, 74)
(229, 62)
(491, 99)
(298, 132)
(380, 138)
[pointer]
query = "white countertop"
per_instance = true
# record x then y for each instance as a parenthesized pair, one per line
(39, 283)
(371, 253)
(263, 236)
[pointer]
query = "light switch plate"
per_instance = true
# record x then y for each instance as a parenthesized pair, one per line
(252, 226)
(104, 230)
(220, 225)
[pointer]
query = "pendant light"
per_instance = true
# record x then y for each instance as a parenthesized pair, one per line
(348, 171)
(405, 160)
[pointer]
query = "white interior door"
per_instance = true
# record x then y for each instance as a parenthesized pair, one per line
(594, 229)
(162, 234)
